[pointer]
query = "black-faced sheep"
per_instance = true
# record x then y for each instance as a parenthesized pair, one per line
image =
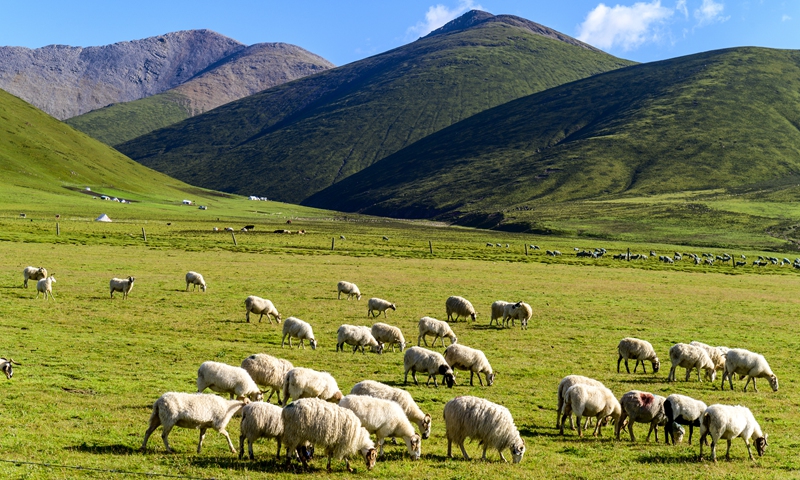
(517, 311)
(459, 307)
(682, 410)
(433, 363)
(6, 367)
(379, 305)
(357, 336)
(489, 423)
(124, 285)
(469, 359)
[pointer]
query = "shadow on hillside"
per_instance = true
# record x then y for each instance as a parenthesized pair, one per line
(115, 449)
(672, 459)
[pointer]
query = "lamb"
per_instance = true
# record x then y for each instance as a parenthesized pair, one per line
(124, 285)
(260, 420)
(303, 382)
(384, 418)
(639, 350)
(717, 354)
(194, 279)
(590, 400)
(402, 397)
(268, 371)
(461, 357)
(294, 327)
(349, 288)
(223, 378)
(45, 286)
(379, 305)
(690, 357)
(417, 358)
(192, 410)
(489, 423)
(262, 306)
(357, 336)
(682, 410)
(337, 430)
(563, 386)
(33, 273)
(744, 362)
(498, 311)
(389, 335)
(729, 422)
(437, 328)
(6, 367)
(641, 407)
(460, 307)
(517, 311)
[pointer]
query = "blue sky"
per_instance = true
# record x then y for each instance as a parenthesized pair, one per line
(345, 31)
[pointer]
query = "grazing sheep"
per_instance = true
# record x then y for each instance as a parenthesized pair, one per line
(729, 422)
(268, 371)
(745, 363)
(517, 311)
(349, 288)
(461, 357)
(357, 336)
(5, 366)
(335, 429)
(642, 407)
(33, 273)
(683, 410)
(389, 335)
(639, 350)
(498, 311)
(379, 305)
(192, 410)
(590, 401)
(307, 383)
(223, 378)
(489, 423)
(384, 418)
(294, 327)
(194, 279)
(690, 357)
(460, 307)
(717, 354)
(260, 420)
(262, 306)
(437, 328)
(563, 386)
(45, 286)
(124, 285)
(402, 397)
(417, 358)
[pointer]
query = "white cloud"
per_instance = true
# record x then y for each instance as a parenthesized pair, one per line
(438, 15)
(681, 7)
(627, 27)
(785, 18)
(710, 12)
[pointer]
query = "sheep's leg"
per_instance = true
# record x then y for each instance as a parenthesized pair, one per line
(449, 448)
(414, 376)
(620, 422)
(747, 444)
(463, 450)
(644, 368)
(471, 375)
(580, 424)
(164, 435)
(483, 457)
(653, 426)
(567, 412)
(202, 437)
(330, 456)
(277, 453)
(228, 438)
(630, 431)
(241, 446)
(250, 449)
(728, 451)
(155, 421)
(380, 444)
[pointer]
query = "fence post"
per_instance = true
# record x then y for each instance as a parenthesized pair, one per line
(526, 249)
(629, 254)
(430, 247)
(144, 234)
(333, 243)
(58, 230)
(234, 239)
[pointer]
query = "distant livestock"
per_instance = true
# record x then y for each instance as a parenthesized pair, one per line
(124, 285)
(33, 273)
(194, 279)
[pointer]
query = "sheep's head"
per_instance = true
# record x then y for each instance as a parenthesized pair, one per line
(358, 296)
(402, 346)
(336, 397)
(761, 445)
(203, 286)
(378, 348)
(474, 316)
(131, 279)
(415, 447)
(305, 452)
(370, 457)
(256, 397)
(773, 382)
(313, 343)
(518, 450)
(490, 378)
(278, 318)
(425, 428)
(393, 307)
(447, 376)
(5, 365)
(656, 365)
(678, 432)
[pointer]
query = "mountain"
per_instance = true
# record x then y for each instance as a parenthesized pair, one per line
(250, 70)
(296, 139)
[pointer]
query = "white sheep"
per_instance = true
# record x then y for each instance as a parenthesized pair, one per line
(379, 305)
(336, 430)
(45, 286)
(498, 311)
(436, 328)
(224, 378)
(639, 350)
(268, 371)
(717, 354)
(682, 410)
(384, 418)
(590, 401)
(388, 335)
(260, 420)
(729, 422)
(746, 363)
(194, 279)
(489, 423)
(294, 327)
(192, 410)
(402, 397)
(459, 307)
(261, 306)
(124, 285)
(474, 361)
(690, 357)
(33, 273)
(433, 363)
(349, 288)
(643, 407)
(6, 366)
(517, 311)
(563, 386)
(357, 336)
(303, 382)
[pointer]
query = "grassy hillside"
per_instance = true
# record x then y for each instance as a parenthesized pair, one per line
(296, 139)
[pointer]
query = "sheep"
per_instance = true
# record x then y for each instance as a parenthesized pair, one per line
(729, 422)
(437, 328)
(294, 327)
(260, 420)
(563, 386)
(639, 350)
(744, 362)
(303, 382)
(194, 279)
(643, 407)
(224, 378)
(5, 366)
(590, 400)
(465, 358)
(45, 286)
(357, 336)
(384, 418)
(33, 273)
(417, 358)
(498, 311)
(517, 311)
(262, 306)
(337, 430)
(489, 423)
(680, 409)
(192, 410)
(690, 357)
(402, 397)
(349, 288)
(268, 371)
(379, 305)
(717, 354)
(124, 285)
(460, 307)
(388, 335)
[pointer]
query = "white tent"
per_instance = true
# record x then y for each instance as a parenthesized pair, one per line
(102, 218)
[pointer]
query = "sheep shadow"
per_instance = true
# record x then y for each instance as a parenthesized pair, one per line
(488, 327)
(656, 458)
(114, 449)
